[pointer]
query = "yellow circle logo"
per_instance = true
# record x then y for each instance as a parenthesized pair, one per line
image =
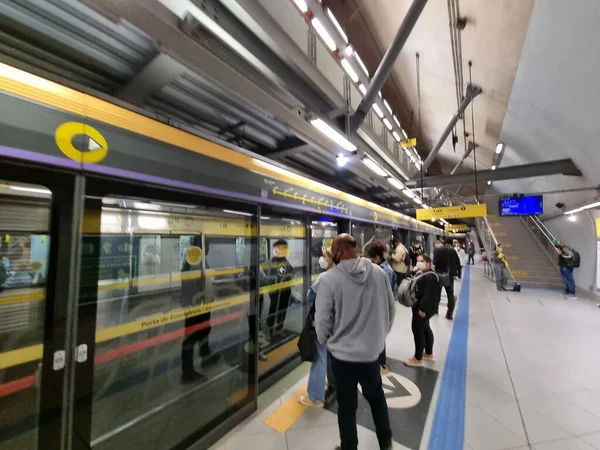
(375, 216)
(193, 256)
(97, 148)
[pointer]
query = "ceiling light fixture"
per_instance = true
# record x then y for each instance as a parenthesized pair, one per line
(418, 200)
(374, 167)
(387, 123)
(361, 64)
(397, 121)
(396, 136)
(337, 25)
(499, 148)
(494, 167)
(397, 184)
(387, 106)
(302, 6)
(362, 89)
(409, 193)
(336, 137)
(583, 208)
(378, 110)
(327, 39)
(349, 70)
(341, 160)
(489, 183)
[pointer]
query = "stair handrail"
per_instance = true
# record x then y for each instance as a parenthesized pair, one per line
(544, 238)
(547, 233)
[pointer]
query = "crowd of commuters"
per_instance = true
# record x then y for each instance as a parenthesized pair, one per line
(353, 309)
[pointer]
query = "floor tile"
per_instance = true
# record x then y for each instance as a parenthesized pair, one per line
(508, 415)
(314, 417)
(540, 428)
(592, 439)
(570, 417)
(586, 400)
(263, 441)
(325, 437)
(481, 392)
(564, 444)
(483, 432)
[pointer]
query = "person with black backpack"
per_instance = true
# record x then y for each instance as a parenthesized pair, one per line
(427, 297)
(568, 259)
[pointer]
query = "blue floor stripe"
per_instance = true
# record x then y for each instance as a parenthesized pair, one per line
(448, 430)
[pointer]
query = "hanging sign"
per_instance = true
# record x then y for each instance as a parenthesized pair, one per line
(452, 212)
(408, 143)
(460, 228)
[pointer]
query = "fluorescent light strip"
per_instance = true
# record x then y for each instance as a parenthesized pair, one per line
(387, 123)
(360, 63)
(404, 133)
(397, 184)
(397, 121)
(362, 89)
(333, 135)
(378, 110)
(418, 200)
(499, 148)
(29, 189)
(375, 168)
(239, 213)
(302, 6)
(396, 136)
(387, 106)
(493, 167)
(349, 70)
(327, 39)
(583, 208)
(337, 25)
(409, 193)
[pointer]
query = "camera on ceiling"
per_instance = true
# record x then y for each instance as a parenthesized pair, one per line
(560, 205)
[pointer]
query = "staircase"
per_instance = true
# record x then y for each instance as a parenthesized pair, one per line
(528, 261)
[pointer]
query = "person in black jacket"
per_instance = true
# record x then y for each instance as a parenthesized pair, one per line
(445, 260)
(279, 271)
(428, 297)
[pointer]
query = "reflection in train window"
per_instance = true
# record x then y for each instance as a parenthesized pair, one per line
(172, 287)
(323, 231)
(24, 251)
(281, 295)
(364, 234)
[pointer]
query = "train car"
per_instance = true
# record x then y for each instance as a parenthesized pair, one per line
(152, 282)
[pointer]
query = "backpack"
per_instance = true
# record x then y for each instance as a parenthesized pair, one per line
(575, 261)
(407, 291)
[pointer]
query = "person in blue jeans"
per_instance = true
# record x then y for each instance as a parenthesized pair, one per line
(565, 258)
(320, 368)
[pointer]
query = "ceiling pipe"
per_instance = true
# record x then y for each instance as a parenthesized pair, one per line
(472, 92)
(470, 147)
(386, 64)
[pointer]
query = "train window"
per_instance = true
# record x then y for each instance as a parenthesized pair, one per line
(322, 232)
(281, 295)
(364, 234)
(172, 285)
(24, 251)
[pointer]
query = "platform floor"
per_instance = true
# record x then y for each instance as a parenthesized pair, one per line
(513, 371)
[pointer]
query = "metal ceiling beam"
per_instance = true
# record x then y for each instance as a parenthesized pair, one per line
(386, 64)
(557, 167)
(470, 147)
(472, 92)
(153, 76)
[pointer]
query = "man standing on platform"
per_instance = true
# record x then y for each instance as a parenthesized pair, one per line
(355, 310)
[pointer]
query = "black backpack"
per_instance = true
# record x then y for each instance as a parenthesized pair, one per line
(575, 261)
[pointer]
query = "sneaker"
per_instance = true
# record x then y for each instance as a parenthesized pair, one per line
(384, 369)
(572, 297)
(303, 399)
(413, 362)
(428, 356)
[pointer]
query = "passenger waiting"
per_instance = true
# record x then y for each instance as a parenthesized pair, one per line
(500, 270)
(355, 309)
(568, 259)
(462, 256)
(317, 395)
(445, 261)
(400, 260)
(427, 292)
(376, 254)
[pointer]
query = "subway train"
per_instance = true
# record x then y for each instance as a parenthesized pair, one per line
(152, 283)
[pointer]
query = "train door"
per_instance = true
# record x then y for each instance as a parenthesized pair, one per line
(167, 292)
(38, 235)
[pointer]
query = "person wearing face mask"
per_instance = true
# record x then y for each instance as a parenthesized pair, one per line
(428, 297)
(377, 256)
(500, 270)
(319, 369)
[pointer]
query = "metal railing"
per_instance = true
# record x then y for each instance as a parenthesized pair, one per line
(486, 234)
(542, 235)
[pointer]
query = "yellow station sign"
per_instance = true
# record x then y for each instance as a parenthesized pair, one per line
(408, 143)
(456, 228)
(452, 212)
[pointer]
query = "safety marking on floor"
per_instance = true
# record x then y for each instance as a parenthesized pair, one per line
(448, 427)
(287, 414)
(278, 355)
(408, 392)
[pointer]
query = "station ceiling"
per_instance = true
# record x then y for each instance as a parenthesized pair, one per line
(540, 96)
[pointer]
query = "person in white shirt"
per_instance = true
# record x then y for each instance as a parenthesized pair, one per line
(462, 255)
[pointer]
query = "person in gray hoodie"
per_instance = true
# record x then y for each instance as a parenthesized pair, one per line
(355, 310)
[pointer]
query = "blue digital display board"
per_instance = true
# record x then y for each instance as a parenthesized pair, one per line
(522, 206)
